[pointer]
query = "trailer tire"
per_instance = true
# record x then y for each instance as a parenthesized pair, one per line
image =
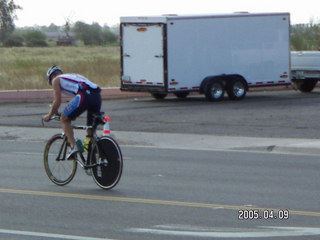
(214, 90)
(159, 96)
(181, 94)
(306, 85)
(237, 89)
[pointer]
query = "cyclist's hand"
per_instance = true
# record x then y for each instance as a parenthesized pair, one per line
(46, 118)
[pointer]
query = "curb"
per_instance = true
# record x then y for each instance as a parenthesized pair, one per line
(180, 141)
(21, 96)
(46, 95)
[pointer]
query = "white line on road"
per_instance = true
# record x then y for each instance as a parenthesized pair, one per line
(234, 233)
(48, 235)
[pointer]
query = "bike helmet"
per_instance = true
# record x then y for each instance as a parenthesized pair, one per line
(51, 71)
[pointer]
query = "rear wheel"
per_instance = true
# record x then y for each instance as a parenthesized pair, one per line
(107, 154)
(214, 90)
(306, 85)
(237, 89)
(59, 170)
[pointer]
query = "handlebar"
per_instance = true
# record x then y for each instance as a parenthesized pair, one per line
(56, 116)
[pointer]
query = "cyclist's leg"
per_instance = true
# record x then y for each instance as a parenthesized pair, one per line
(67, 129)
(94, 106)
(73, 109)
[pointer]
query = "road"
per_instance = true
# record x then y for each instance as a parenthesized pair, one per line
(171, 192)
(164, 194)
(261, 114)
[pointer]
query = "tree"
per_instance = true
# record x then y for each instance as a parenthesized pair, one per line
(89, 34)
(7, 16)
(93, 34)
(35, 38)
(305, 36)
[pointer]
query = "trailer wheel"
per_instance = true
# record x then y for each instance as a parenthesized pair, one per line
(237, 89)
(214, 90)
(159, 95)
(181, 94)
(306, 85)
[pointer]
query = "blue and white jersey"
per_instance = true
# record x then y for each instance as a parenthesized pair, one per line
(71, 83)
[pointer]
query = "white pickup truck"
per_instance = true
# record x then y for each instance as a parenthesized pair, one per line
(212, 54)
(305, 69)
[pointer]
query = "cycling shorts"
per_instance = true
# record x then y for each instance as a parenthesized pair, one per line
(87, 100)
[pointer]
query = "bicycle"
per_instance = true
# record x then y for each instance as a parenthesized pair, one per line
(103, 160)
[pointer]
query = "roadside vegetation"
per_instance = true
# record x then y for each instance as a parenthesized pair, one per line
(305, 37)
(25, 67)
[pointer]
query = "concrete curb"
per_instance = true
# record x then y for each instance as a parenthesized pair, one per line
(179, 141)
(45, 95)
(18, 96)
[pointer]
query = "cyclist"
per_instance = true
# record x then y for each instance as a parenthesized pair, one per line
(87, 97)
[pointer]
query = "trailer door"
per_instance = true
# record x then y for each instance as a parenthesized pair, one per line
(142, 55)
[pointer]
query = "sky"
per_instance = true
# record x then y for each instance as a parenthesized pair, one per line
(45, 12)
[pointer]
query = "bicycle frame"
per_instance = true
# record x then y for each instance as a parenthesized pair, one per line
(83, 162)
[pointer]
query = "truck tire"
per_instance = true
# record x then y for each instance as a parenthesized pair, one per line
(214, 90)
(159, 95)
(237, 89)
(306, 85)
(181, 94)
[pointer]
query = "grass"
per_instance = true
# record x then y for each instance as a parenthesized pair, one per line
(25, 68)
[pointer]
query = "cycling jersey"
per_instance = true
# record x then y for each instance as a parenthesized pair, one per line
(87, 96)
(71, 83)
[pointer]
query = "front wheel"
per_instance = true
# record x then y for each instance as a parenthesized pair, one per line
(59, 170)
(107, 155)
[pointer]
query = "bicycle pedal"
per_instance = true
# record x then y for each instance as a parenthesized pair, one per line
(88, 172)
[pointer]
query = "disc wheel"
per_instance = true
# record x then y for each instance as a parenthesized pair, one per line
(107, 154)
(59, 170)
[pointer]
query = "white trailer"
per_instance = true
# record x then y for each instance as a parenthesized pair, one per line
(209, 54)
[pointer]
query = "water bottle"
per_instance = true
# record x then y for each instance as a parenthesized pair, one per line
(80, 145)
(87, 142)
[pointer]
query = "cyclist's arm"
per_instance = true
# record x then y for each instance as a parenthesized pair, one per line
(56, 99)
(56, 96)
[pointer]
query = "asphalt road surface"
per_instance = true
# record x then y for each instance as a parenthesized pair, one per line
(288, 114)
(163, 194)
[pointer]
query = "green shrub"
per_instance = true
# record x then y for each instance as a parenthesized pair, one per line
(35, 38)
(13, 40)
